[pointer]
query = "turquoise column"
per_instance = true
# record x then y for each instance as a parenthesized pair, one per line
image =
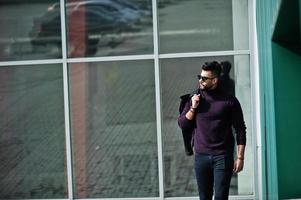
(266, 12)
(286, 54)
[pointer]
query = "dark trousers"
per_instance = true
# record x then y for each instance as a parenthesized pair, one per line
(213, 172)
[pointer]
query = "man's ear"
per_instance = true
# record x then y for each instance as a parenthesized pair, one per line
(215, 80)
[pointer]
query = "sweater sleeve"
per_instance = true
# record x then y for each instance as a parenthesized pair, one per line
(183, 122)
(238, 123)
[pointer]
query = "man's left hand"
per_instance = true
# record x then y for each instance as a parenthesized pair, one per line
(238, 165)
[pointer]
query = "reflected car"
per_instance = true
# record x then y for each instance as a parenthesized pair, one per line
(114, 9)
(103, 19)
(136, 7)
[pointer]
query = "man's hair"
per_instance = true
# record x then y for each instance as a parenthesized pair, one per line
(213, 66)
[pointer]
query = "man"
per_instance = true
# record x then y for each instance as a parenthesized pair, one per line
(212, 113)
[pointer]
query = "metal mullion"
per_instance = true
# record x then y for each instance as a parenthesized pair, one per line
(242, 197)
(110, 58)
(143, 198)
(67, 130)
(182, 198)
(158, 99)
(43, 199)
(254, 74)
(66, 101)
(205, 54)
(120, 58)
(234, 197)
(31, 62)
(63, 30)
(255, 92)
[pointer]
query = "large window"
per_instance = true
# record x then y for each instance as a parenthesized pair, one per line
(110, 27)
(29, 30)
(194, 25)
(90, 89)
(177, 80)
(32, 139)
(114, 129)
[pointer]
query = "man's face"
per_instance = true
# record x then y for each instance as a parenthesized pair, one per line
(207, 80)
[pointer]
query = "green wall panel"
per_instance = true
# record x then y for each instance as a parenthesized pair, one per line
(266, 14)
(287, 27)
(280, 68)
(287, 71)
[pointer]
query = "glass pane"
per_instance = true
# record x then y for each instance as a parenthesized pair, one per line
(29, 30)
(178, 78)
(202, 25)
(240, 24)
(32, 136)
(243, 93)
(114, 129)
(107, 28)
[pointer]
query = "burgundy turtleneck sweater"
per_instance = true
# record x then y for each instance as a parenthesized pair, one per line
(214, 118)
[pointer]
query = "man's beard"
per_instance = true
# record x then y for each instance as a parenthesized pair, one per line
(203, 88)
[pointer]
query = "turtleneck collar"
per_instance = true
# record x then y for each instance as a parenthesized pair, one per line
(211, 94)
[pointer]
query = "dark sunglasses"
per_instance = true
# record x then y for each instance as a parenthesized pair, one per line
(204, 78)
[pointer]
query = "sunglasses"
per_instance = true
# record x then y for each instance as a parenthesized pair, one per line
(204, 78)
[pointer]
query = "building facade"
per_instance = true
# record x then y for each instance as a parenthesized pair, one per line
(89, 95)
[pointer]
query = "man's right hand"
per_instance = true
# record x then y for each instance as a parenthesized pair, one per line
(195, 100)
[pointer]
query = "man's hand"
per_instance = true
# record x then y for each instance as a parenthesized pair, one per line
(238, 165)
(195, 100)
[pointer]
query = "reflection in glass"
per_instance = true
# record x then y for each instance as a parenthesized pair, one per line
(32, 30)
(109, 27)
(202, 25)
(179, 178)
(29, 30)
(113, 116)
(32, 138)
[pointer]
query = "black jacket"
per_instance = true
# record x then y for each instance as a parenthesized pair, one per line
(187, 133)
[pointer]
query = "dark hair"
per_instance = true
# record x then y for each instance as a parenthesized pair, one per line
(226, 66)
(213, 66)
